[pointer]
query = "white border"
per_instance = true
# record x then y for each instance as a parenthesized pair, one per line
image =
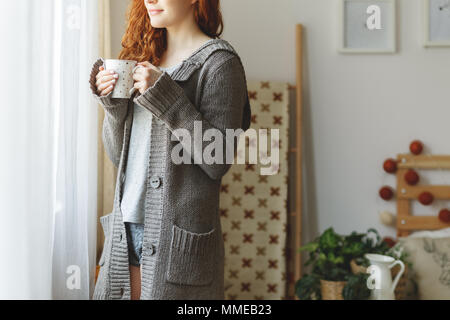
(426, 28)
(393, 34)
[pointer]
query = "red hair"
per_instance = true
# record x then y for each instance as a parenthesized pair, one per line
(142, 42)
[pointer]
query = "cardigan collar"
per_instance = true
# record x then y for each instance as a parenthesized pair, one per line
(198, 58)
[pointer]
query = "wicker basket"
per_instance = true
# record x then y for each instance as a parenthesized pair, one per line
(400, 289)
(356, 268)
(332, 290)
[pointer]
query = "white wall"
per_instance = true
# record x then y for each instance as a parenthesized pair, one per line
(359, 109)
(118, 14)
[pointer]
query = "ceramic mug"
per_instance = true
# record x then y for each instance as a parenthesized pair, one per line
(124, 87)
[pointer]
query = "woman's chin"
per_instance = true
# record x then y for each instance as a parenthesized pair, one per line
(157, 24)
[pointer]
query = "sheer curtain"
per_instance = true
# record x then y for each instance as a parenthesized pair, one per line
(48, 167)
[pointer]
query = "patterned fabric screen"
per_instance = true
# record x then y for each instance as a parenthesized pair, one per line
(253, 206)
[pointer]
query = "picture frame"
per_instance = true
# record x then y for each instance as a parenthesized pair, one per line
(354, 33)
(436, 23)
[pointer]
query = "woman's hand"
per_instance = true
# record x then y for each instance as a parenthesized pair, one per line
(106, 80)
(145, 76)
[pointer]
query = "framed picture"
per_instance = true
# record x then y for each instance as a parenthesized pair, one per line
(367, 26)
(436, 23)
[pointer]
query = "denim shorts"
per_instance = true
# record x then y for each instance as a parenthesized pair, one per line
(135, 233)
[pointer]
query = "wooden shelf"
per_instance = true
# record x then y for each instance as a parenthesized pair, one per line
(412, 192)
(406, 222)
(433, 162)
(410, 223)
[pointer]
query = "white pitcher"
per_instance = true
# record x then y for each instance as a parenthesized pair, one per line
(380, 280)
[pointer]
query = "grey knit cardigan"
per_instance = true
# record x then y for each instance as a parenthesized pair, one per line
(183, 249)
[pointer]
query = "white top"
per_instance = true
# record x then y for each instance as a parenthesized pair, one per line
(135, 185)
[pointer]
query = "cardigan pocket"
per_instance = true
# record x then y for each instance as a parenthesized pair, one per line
(191, 257)
(105, 221)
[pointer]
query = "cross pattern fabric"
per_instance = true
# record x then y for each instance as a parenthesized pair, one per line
(253, 206)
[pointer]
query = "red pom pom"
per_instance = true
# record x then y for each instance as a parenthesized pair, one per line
(444, 215)
(411, 177)
(389, 241)
(386, 193)
(426, 198)
(390, 165)
(416, 147)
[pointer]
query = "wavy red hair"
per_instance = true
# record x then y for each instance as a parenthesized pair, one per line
(142, 42)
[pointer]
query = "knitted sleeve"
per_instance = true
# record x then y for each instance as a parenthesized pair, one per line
(115, 114)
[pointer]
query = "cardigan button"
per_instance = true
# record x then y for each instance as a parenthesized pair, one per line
(155, 182)
(151, 249)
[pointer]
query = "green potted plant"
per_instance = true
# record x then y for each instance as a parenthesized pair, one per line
(356, 287)
(329, 255)
(362, 243)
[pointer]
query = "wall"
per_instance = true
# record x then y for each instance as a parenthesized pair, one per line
(118, 14)
(359, 109)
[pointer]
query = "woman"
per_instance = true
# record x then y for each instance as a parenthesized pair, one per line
(163, 239)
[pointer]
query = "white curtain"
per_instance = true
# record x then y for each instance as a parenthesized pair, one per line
(48, 167)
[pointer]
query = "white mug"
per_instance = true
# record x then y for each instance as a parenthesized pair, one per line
(124, 87)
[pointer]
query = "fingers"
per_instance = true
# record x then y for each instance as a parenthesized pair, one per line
(103, 72)
(137, 85)
(137, 68)
(106, 87)
(147, 68)
(106, 73)
(142, 74)
(138, 71)
(140, 86)
(137, 77)
(107, 91)
(106, 80)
